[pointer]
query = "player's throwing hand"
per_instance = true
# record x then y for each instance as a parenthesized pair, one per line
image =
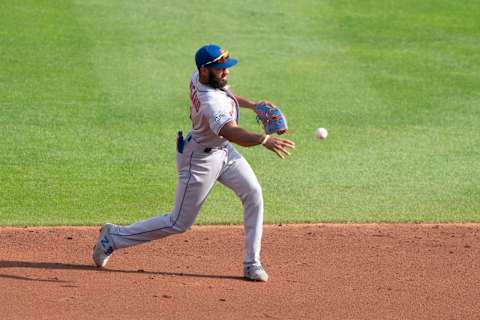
(278, 145)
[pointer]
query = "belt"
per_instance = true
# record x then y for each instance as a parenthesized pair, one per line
(202, 148)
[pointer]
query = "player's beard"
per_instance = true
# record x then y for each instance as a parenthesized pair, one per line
(215, 82)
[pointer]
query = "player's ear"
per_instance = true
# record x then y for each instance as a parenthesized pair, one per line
(203, 70)
(203, 74)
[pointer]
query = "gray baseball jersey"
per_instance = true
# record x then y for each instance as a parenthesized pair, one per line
(210, 110)
(206, 158)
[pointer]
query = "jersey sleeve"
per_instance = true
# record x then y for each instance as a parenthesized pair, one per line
(218, 114)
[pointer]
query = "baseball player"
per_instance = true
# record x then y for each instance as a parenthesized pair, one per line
(204, 156)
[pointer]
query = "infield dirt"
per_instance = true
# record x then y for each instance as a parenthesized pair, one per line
(317, 271)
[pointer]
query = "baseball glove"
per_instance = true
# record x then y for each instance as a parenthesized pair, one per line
(272, 119)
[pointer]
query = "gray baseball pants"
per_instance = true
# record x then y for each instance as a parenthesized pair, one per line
(198, 171)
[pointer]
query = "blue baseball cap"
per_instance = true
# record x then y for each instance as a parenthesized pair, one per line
(213, 56)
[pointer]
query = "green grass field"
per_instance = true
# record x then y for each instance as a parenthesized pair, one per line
(93, 92)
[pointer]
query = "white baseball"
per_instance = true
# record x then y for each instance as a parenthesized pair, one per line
(321, 133)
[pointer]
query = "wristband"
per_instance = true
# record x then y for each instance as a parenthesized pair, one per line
(265, 139)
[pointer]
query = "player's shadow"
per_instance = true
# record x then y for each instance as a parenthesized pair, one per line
(84, 267)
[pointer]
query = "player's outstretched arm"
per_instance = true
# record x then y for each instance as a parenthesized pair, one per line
(232, 132)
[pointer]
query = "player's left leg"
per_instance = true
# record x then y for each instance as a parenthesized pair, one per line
(239, 176)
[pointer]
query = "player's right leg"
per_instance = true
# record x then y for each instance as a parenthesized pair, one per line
(196, 179)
